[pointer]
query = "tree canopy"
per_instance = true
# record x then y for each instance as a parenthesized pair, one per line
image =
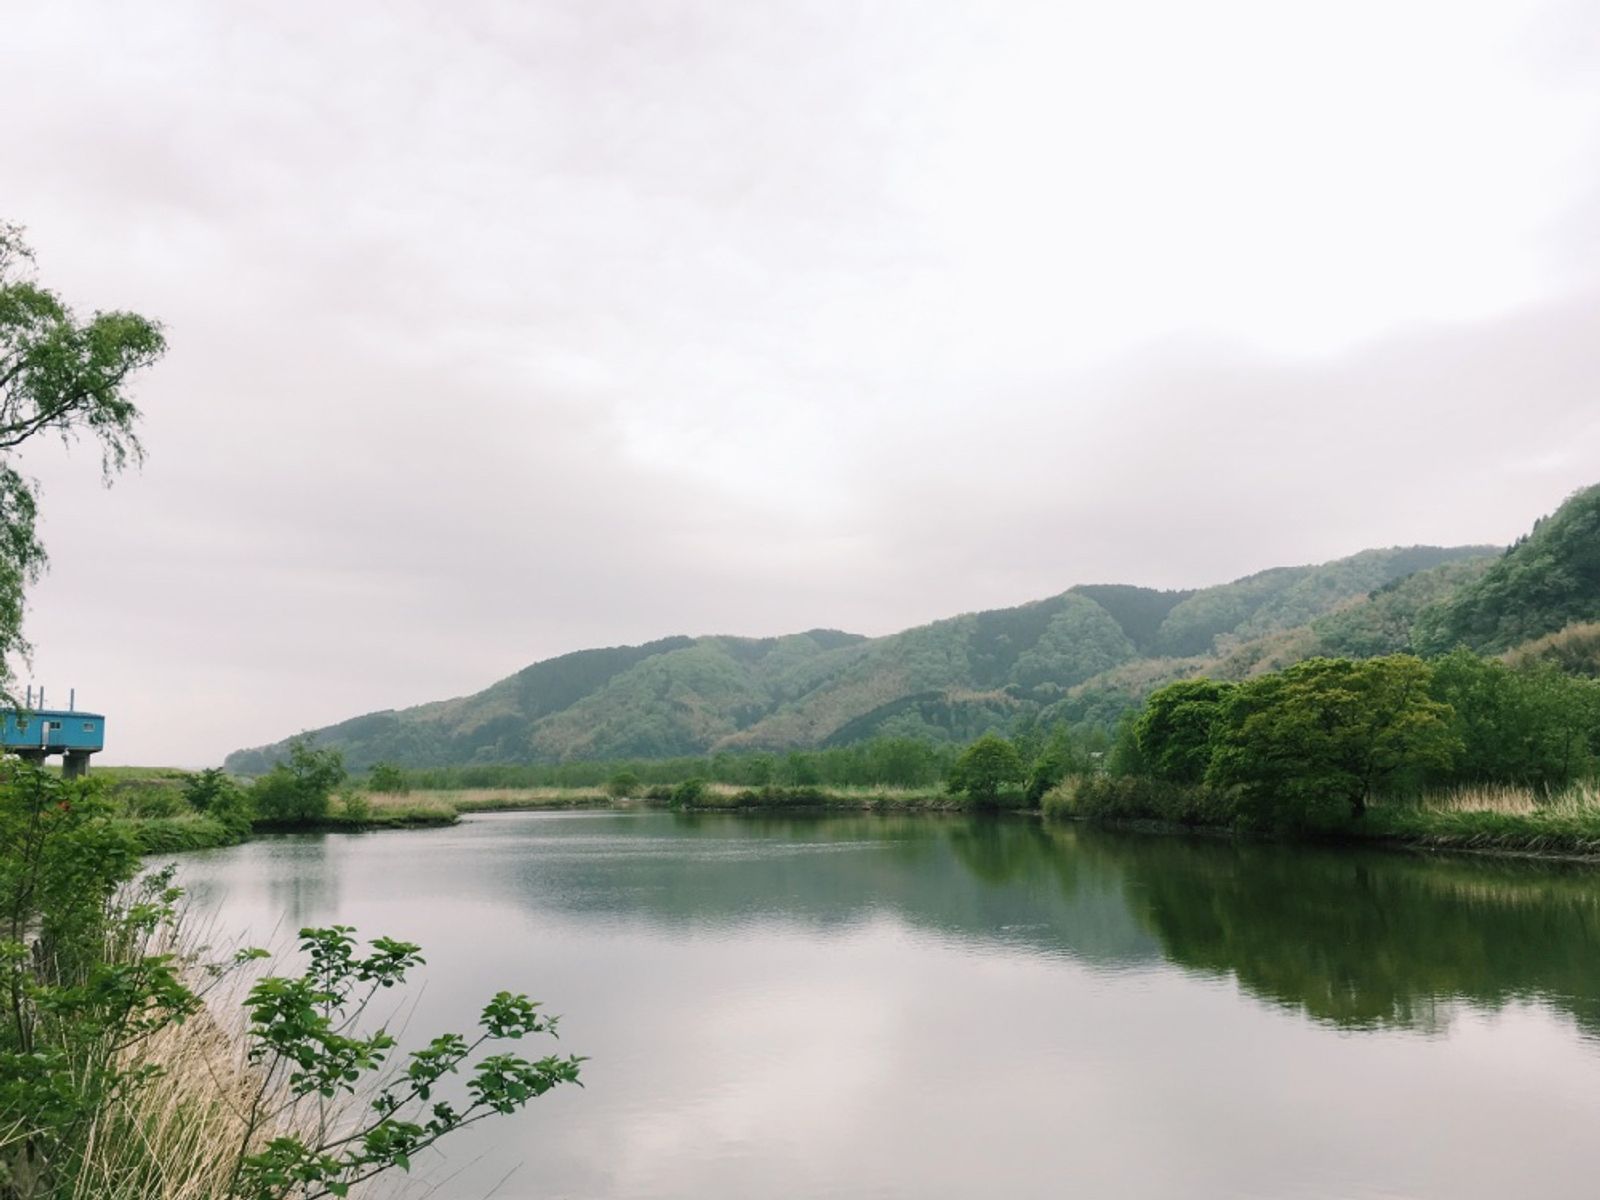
(64, 375)
(1309, 745)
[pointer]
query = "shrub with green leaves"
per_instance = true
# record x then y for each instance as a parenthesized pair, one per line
(688, 793)
(622, 785)
(89, 973)
(304, 1037)
(387, 779)
(985, 769)
(297, 791)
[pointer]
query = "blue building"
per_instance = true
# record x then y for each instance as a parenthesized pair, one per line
(36, 733)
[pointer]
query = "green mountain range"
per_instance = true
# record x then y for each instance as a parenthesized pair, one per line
(1083, 657)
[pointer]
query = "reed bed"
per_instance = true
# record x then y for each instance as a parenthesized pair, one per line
(1577, 799)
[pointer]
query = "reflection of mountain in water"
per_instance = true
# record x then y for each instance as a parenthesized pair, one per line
(980, 881)
(1358, 939)
(1353, 938)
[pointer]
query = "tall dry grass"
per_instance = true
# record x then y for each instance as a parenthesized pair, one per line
(1577, 799)
(177, 1134)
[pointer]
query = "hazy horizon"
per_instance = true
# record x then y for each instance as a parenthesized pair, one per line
(509, 331)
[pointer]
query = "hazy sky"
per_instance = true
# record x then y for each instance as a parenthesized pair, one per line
(500, 330)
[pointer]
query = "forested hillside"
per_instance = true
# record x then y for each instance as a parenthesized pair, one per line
(1550, 579)
(1083, 656)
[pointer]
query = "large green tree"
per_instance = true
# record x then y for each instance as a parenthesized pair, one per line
(1174, 731)
(1308, 746)
(64, 375)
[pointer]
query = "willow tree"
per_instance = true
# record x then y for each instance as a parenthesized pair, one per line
(65, 376)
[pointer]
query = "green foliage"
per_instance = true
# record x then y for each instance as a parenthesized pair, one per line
(87, 975)
(1574, 650)
(304, 1029)
(1081, 640)
(688, 793)
(1141, 798)
(1533, 727)
(1385, 621)
(172, 835)
(622, 785)
(387, 779)
(985, 769)
(297, 791)
(82, 976)
(357, 809)
(1548, 580)
(1308, 746)
(61, 375)
(1174, 732)
(578, 719)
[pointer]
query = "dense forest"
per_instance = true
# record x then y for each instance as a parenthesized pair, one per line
(1082, 660)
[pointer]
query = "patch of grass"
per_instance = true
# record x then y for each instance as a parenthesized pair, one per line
(169, 835)
(1493, 817)
(474, 800)
(1545, 832)
(723, 798)
(407, 812)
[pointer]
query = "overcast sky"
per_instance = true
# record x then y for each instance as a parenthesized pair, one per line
(500, 330)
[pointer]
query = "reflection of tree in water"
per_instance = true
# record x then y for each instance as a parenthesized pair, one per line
(1001, 850)
(302, 881)
(1366, 940)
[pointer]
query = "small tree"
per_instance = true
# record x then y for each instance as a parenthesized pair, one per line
(984, 769)
(213, 793)
(622, 785)
(688, 793)
(387, 779)
(298, 790)
(1056, 761)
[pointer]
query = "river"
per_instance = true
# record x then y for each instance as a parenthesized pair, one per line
(876, 1006)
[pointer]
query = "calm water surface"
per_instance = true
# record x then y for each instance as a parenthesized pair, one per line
(926, 1007)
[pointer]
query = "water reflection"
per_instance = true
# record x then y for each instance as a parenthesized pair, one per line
(1365, 940)
(867, 1006)
(1357, 939)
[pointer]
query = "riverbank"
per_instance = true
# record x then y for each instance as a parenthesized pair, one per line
(1503, 820)
(1496, 821)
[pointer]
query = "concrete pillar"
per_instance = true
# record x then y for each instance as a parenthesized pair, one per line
(75, 764)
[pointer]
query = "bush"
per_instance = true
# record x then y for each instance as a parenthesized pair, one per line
(153, 803)
(1140, 798)
(622, 785)
(688, 793)
(985, 769)
(206, 788)
(387, 779)
(357, 808)
(297, 792)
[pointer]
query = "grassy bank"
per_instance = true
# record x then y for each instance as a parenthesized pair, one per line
(150, 805)
(726, 798)
(1484, 819)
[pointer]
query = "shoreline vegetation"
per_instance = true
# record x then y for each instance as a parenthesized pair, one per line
(1460, 752)
(137, 1062)
(1494, 820)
